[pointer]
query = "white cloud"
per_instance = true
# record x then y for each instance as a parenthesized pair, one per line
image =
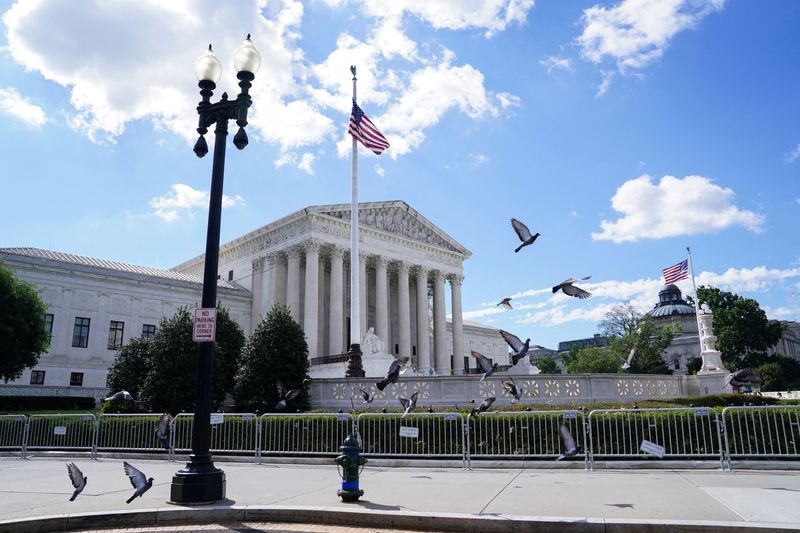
(479, 159)
(633, 33)
(556, 62)
(306, 163)
(688, 206)
(792, 155)
(14, 104)
(379, 170)
(183, 199)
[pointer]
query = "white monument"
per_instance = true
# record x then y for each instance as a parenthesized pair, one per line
(712, 358)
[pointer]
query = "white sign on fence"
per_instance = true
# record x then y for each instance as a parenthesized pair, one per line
(60, 430)
(217, 418)
(701, 412)
(451, 416)
(651, 448)
(205, 324)
(408, 431)
(570, 414)
(342, 417)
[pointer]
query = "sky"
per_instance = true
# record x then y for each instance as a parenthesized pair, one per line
(622, 131)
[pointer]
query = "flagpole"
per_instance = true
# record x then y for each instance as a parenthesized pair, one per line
(696, 300)
(354, 365)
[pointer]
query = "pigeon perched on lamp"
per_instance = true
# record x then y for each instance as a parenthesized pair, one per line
(77, 478)
(396, 368)
(519, 348)
(523, 233)
(569, 289)
(483, 363)
(139, 481)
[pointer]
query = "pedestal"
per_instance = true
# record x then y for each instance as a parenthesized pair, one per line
(197, 488)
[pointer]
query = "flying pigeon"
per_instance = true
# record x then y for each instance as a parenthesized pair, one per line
(571, 290)
(523, 233)
(484, 364)
(520, 349)
(397, 367)
(485, 404)
(162, 429)
(77, 478)
(138, 480)
(511, 389)
(409, 405)
(506, 303)
(366, 395)
(568, 442)
(288, 396)
(121, 395)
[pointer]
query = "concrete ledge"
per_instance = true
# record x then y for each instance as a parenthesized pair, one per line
(164, 517)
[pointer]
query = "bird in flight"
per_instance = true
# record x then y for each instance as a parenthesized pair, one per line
(366, 396)
(288, 396)
(570, 449)
(485, 404)
(409, 404)
(162, 429)
(506, 303)
(77, 478)
(396, 368)
(484, 364)
(519, 348)
(121, 395)
(523, 233)
(511, 388)
(139, 481)
(570, 290)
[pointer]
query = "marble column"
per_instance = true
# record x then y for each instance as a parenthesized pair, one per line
(311, 303)
(458, 323)
(280, 275)
(336, 318)
(364, 303)
(423, 330)
(258, 292)
(403, 309)
(268, 283)
(382, 302)
(440, 355)
(293, 283)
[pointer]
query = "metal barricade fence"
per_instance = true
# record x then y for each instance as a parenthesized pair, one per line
(62, 432)
(418, 435)
(761, 432)
(12, 433)
(692, 433)
(524, 434)
(303, 433)
(128, 432)
(232, 433)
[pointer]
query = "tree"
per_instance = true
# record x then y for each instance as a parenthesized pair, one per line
(22, 328)
(127, 373)
(548, 365)
(744, 334)
(594, 360)
(171, 380)
(631, 329)
(276, 352)
(620, 321)
(780, 373)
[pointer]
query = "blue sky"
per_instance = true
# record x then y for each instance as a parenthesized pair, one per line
(621, 131)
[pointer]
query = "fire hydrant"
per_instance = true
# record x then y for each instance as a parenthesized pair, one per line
(350, 462)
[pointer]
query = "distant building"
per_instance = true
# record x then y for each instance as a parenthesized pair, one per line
(672, 309)
(596, 340)
(789, 345)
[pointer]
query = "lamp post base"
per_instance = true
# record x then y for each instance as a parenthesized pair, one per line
(197, 488)
(355, 368)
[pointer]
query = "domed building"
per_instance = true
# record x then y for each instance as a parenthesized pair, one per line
(673, 309)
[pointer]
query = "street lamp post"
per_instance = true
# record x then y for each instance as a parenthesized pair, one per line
(200, 481)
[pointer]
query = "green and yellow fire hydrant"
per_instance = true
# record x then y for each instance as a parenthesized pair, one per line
(350, 462)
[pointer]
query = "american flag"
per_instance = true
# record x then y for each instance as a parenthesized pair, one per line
(365, 131)
(676, 272)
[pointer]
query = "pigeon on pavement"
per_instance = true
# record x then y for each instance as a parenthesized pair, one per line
(511, 388)
(484, 364)
(409, 404)
(506, 303)
(520, 349)
(139, 481)
(485, 404)
(396, 367)
(568, 443)
(121, 395)
(523, 233)
(288, 396)
(162, 429)
(571, 290)
(77, 478)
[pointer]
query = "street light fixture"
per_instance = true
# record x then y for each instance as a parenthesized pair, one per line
(200, 481)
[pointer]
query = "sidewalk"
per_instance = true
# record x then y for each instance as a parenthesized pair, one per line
(39, 487)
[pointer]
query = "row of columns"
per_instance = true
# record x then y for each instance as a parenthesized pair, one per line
(277, 279)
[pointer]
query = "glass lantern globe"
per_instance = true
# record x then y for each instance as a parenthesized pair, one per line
(246, 58)
(208, 67)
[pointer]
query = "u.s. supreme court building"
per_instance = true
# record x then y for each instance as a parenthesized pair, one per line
(411, 276)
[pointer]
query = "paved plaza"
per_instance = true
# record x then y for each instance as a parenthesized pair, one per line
(39, 487)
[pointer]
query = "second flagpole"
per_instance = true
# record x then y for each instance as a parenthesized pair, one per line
(355, 368)
(696, 300)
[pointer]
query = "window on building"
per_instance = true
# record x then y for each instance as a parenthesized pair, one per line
(48, 324)
(37, 376)
(80, 334)
(676, 364)
(230, 275)
(76, 379)
(115, 332)
(148, 331)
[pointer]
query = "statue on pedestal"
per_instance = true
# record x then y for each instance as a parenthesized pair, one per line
(712, 358)
(372, 344)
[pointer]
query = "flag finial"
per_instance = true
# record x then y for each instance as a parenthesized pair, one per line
(353, 70)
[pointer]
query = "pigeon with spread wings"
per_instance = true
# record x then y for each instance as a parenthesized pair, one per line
(483, 363)
(571, 290)
(139, 481)
(288, 396)
(485, 404)
(568, 442)
(409, 404)
(396, 368)
(511, 389)
(506, 303)
(121, 395)
(77, 478)
(523, 233)
(162, 429)
(519, 348)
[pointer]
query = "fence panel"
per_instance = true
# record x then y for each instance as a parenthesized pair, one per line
(761, 432)
(524, 434)
(691, 433)
(12, 433)
(231, 433)
(128, 432)
(62, 432)
(304, 433)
